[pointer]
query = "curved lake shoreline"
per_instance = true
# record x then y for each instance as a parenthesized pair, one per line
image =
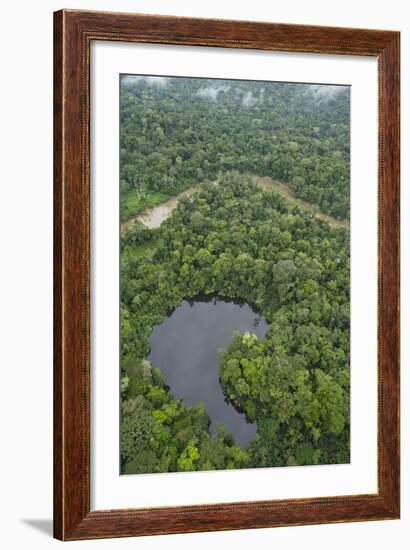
(185, 348)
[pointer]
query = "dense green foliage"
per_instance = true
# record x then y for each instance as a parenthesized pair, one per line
(179, 131)
(236, 240)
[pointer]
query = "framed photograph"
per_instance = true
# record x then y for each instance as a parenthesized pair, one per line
(226, 275)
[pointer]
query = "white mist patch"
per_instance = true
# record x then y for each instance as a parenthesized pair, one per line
(324, 92)
(211, 92)
(160, 81)
(248, 99)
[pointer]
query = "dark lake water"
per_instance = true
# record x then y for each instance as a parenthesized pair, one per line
(185, 348)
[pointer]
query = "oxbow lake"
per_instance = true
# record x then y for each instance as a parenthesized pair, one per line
(185, 348)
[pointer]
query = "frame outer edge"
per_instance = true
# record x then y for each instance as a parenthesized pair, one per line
(72, 517)
(71, 364)
(58, 492)
(390, 265)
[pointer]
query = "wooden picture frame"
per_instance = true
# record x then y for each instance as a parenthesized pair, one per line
(74, 32)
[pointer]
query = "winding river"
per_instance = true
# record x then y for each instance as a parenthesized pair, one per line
(154, 216)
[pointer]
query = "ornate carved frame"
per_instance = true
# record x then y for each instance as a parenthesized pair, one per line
(73, 34)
